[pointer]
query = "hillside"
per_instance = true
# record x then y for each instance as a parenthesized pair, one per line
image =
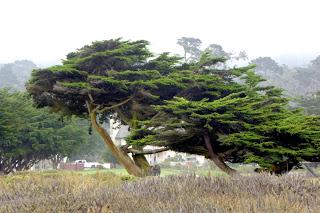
(15, 75)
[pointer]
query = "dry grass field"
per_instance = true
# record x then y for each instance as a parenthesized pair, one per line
(108, 192)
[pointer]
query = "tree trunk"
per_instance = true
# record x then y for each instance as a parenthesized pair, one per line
(55, 161)
(121, 156)
(217, 159)
(55, 165)
(1, 167)
(141, 161)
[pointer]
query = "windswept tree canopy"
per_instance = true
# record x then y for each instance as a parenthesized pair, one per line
(106, 73)
(245, 122)
(194, 107)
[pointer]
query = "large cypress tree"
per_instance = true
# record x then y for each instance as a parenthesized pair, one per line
(190, 107)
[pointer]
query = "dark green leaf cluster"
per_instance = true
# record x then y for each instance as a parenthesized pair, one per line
(110, 71)
(173, 104)
(28, 135)
(246, 123)
(311, 103)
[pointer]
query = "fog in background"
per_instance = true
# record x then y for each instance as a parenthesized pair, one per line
(44, 31)
(280, 37)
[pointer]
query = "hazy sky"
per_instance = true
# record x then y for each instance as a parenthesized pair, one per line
(46, 30)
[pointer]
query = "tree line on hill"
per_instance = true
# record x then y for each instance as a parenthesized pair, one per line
(15, 75)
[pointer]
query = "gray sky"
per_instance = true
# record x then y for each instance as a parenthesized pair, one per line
(45, 31)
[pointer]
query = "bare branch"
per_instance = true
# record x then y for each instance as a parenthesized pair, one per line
(116, 105)
(88, 107)
(91, 98)
(147, 152)
(125, 147)
(156, 115)
(226, 153)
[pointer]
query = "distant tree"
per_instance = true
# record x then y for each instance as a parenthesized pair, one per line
(310, 103)
(108, 157)
(93, 149)
(217, 51)
(309, 77)
(68, 137)
(297, 81)
(15, 75)
(191, 47)
(266, 66)
(28, 135)
(193, 51)
(315, 64)
(242, 56)
(7, 77)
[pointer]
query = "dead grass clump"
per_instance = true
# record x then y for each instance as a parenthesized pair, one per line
(71, 192)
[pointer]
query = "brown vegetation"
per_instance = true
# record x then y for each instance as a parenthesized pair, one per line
(73, 192)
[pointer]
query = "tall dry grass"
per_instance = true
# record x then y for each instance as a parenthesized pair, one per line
(72, 192)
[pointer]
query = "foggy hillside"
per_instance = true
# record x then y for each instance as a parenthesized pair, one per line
(298, 77)
(16, 74)
(295, 81)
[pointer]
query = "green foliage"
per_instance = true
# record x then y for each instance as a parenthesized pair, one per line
(310, 103)
(170, 104)
(246, 123)
(191, 47)
(28, 135)
(266, 65)
(15, 75)
(93, 149)
(110, 71)
(295, 81)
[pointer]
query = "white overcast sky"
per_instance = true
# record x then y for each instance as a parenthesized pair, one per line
(46, 30)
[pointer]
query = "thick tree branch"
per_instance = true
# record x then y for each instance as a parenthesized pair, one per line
(116, 105)
(100, 109)
(125, 147)
(228, 152)
(119, 154)
(147, 152)
(218, 160)
(91, 98)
